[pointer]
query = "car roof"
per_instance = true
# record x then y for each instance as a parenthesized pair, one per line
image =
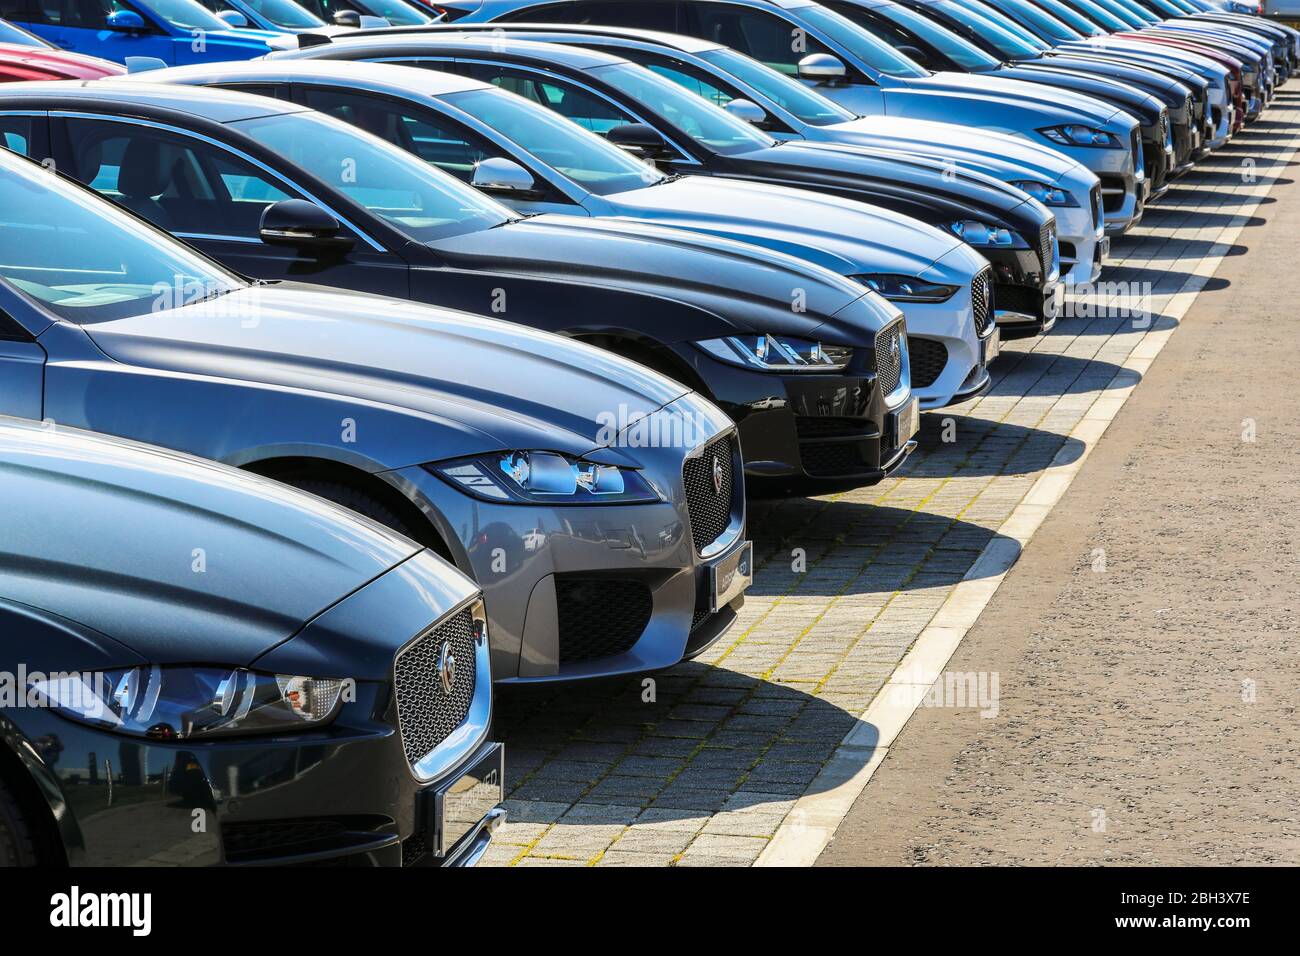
(677, 41)
(218, 106)
(371, 76)
(573, 57)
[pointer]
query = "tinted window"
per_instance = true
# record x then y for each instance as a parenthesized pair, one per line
(392, 185)
(396, 12)
(644, 14)
(417, 131)
(807, 104)
(583, 107)
(16, 134)
(280, 13)
(764, 36)
(876, 53)
(583, 157)
(899, 26)
(701, 121)
(12, 34)
(183, 185)
(86, 261)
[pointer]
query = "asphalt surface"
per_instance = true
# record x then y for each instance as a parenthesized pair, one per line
(1145, 643)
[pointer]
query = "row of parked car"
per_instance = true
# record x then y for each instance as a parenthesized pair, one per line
(350, 371)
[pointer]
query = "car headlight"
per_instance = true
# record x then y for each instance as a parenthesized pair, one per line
(1045, 194)
(899, 288)
(778, 353)
(1076, 134)
(976, 233)
(516, 477)
(180, 703)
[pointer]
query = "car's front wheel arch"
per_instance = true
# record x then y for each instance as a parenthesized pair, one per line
(652, 355)
(359, 490)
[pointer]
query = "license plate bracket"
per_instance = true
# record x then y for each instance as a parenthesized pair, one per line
(991, 347)
(731, 576)
(905, 423)
(452, 811)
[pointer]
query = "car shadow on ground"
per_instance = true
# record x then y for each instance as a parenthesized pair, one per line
(691, 741)
(876, 548)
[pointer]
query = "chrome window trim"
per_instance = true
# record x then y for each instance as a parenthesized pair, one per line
(191, 134)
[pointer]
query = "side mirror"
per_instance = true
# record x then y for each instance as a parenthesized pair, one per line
(915, 53)
(822, 68)
(303, 225)
(347, 18)
(233, 18)
(498, 175)
(638, 138)
(125, 21)
(746, 110)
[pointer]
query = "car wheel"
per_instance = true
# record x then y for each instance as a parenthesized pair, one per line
(358, 501)
(17, 848)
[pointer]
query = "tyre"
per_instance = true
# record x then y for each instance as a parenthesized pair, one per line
(17, 848)
(358, 501)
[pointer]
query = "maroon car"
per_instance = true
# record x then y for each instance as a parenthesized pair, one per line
(27, 57)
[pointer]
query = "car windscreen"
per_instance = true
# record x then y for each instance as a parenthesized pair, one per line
(1041, 23)
(956, 48)
(1009, 43)
(1069, 15)
(1100, 14)
(591, 161)
(873, 51)
(285, 13)
(186, 14)
(396, 12)
(423, 203)
(20, 37)
(709, 125)
(807, 104)
(87, 261)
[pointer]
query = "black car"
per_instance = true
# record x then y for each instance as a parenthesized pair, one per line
(796, 354)
(683, 133)
(202, 666)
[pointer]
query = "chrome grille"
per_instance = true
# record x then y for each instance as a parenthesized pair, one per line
(890, 355)
(981, 301)
(709, 505)
(1047, 250)
(426, 714)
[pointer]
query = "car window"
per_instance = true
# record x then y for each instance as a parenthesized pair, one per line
(807, 104)
(688, 78)
(644, 14)
(180, 184)
(903, 26)
(86, 261)
(16, 134)
(395, 186)
(765, 36)
(588, 160)
(280, 13)
(703, 122)
(583, 107)
(419, 131)
(16, 35)
(396, 12)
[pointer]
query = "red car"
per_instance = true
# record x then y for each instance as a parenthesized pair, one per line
(27, 57)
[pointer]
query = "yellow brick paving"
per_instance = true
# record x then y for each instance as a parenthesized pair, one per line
(705, 773)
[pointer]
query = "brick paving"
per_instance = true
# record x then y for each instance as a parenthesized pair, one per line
(705, 772)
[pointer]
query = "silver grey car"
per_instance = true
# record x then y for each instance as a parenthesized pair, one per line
(598, 504)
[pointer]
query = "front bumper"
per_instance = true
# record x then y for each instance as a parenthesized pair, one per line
(810, 433)
(1024, 297)
(587, 591)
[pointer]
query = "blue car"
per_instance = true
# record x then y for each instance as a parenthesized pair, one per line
(177, 32)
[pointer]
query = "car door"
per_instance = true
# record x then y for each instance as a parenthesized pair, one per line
(82, 26)
(213, 196)
(22, 359)
(436, 138)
